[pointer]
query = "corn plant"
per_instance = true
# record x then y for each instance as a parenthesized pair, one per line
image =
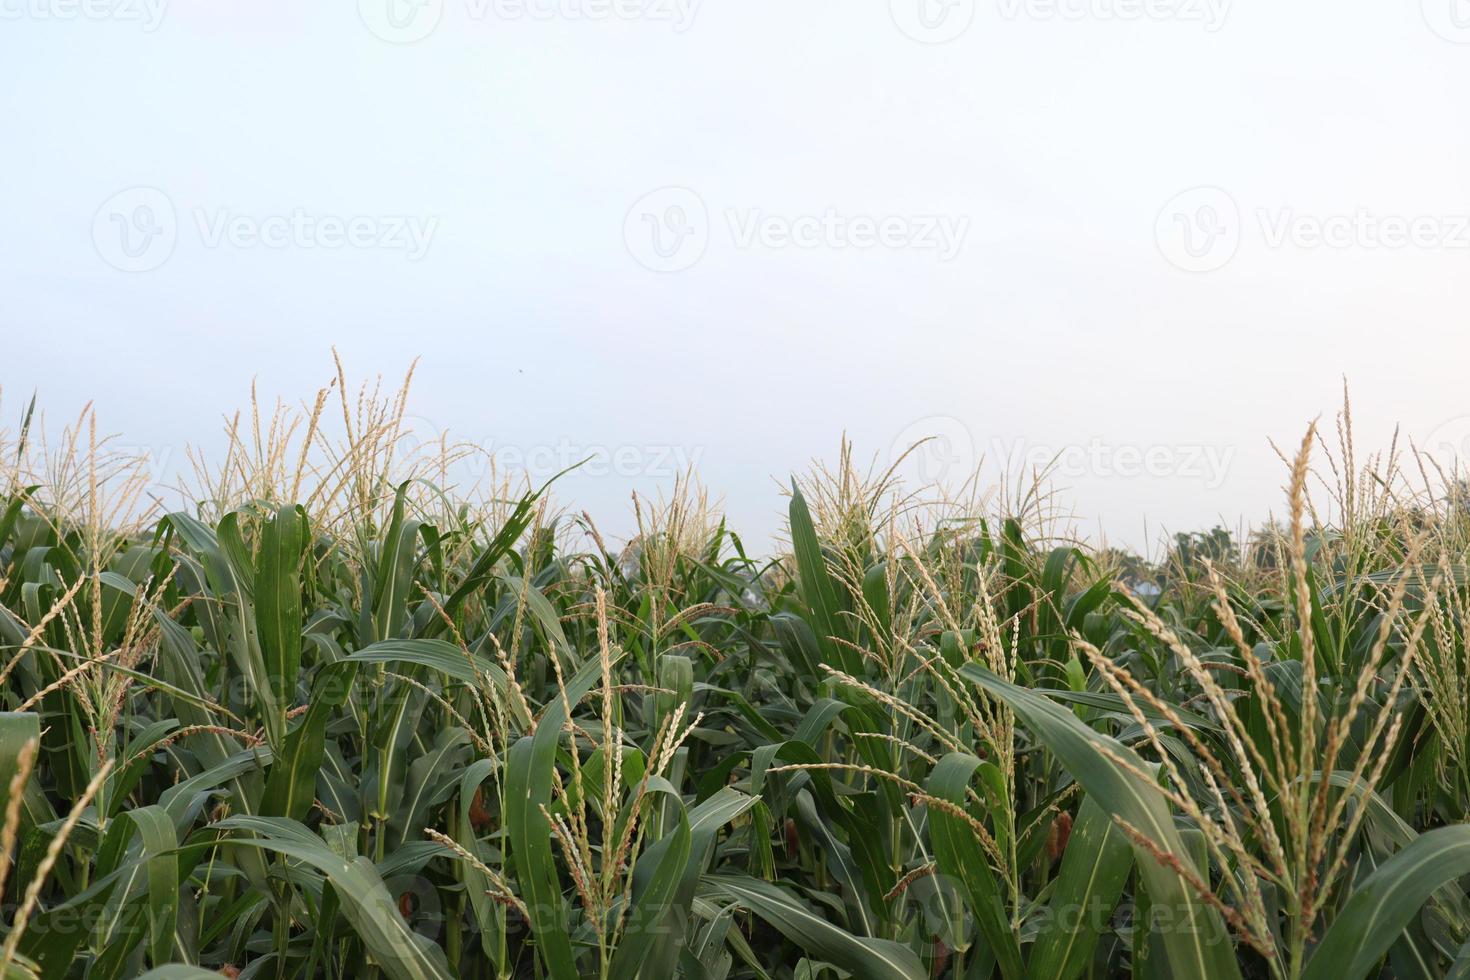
(331, 713)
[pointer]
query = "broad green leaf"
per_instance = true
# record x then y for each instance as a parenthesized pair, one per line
(365, 902)
(816, 584)
(1195, 941)
(1094, 872)
(866, 959)
(290, 787)
(16, 729)
(278, 614)
(960, 855)
(446, 658)
(160, 845)
(1382, 905)
(651, 902)
(527, 791)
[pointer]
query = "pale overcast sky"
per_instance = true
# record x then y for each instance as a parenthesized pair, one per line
(1159, 232)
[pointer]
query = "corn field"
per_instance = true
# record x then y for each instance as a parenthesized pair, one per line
(336, 718)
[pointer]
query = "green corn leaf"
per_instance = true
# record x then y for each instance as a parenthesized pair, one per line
(652, 902)
(484, 567)
(446, 658)
(866, 959)
(160, 852)
(278, 612)
(527, 790)
(816, 584)
(959, 854)
(1094, 872)
(705, 821)
(16, 729)
(393, 582)
(1382, 905)
(1196, 943)
(291, 786)
(373, 914)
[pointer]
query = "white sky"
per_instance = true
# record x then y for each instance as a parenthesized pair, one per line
(991, 229)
